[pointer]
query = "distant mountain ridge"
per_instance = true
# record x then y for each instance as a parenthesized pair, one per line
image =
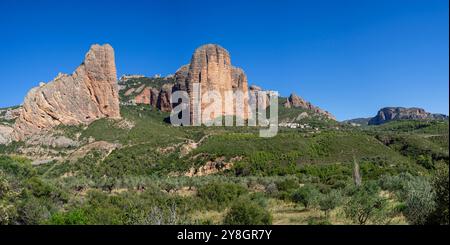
(361, 121)
(388, 114)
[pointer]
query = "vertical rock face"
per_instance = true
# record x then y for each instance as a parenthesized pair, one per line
(298, 102)
(255, 98)
(148, 96)
(180, 78)
(157, 98)
(165, 94)
(88, 94)
(211, 67)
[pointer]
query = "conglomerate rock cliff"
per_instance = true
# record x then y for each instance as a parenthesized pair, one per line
(90, 93)
(297, 102)
(211, 68)
(400, 113)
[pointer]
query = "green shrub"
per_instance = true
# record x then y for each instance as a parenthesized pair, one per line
(73, 217)
(305, 195)
(218, 195)
(287, 184)
(426, 161)
(329, 201)
(419, 201)
(366, 205)
(33, 211)
(440, 185)
(246, 212)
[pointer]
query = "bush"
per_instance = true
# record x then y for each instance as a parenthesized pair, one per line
(287, 184)
(217, 195)
(33, 211)
(440, 185)
(426, 161)
(259, 198)
(246, 212)
(329, 201)
(73, 217)
(272, 190)
(366, 205)
(395, 183)
(304, 195)
(419, 201)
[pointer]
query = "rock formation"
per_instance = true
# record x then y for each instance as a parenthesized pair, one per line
(296, 101)
(211, 67)
(157, 98)
(5, 134)
(148, 96)
(88, 94)
(165, 94)
(254, 96)
(180, 78)
(11, 114)
(398, 113)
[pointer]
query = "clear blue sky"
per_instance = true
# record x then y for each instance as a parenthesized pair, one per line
(348, 57)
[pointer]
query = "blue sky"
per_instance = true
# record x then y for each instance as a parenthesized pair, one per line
(348, 57)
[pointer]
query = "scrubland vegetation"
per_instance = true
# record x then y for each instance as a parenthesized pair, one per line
(297, 177)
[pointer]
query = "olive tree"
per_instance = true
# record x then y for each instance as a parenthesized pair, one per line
(366, 205)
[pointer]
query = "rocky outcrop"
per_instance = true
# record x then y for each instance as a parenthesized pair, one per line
(5, 134)
(148, 96)
(180, 78)
(295, 101)
(400, 113)
(165, 94)
(157, 98)
(254, 97)
(12, 114)
(212, 167)
(211, 67)
(88, 94)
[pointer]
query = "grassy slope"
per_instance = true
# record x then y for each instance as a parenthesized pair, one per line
(323, 158)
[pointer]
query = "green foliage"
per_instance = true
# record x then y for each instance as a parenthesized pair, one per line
(246, 212)
(318, 221)
(19, 167)
(414, 126)
(218, 195)
(8, 211)
(419, 148)
(140, 182)
(365, 205)
(73, 217)
(426, 161)
(329, 201)
(440, 184)
(419, 201)
(305, 195)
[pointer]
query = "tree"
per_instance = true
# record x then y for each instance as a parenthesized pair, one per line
(246, 212)
(329, 201)
(304, 195)
(366, 205)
